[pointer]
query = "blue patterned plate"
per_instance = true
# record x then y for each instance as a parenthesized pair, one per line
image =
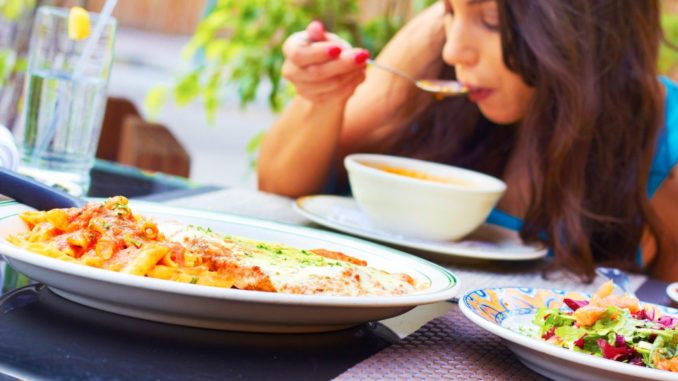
(507, 312)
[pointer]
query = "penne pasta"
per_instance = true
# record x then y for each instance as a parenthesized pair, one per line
(110, 236)
(145, 260)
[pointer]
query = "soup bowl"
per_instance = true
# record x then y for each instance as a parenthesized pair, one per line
(421, 199)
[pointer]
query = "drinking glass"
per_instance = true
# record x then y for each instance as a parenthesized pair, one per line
(64, 101)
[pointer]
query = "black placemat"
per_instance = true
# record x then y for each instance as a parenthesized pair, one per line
(47, 337)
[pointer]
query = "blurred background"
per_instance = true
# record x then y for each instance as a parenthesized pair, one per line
(203, 76)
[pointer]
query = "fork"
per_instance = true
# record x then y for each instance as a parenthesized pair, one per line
(618, 277)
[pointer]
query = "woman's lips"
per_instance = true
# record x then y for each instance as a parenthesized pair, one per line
(477, 94)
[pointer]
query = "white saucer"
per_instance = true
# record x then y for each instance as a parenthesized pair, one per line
(487, 242)
(672, 291)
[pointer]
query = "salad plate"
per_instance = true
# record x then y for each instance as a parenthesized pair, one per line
(672, 291)
(487, 242)
(227, 308)
(509, 312)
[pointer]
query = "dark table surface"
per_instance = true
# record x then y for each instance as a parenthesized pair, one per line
(111, 179)
(43, 336)
(47, 337)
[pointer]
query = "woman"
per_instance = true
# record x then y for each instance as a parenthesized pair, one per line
(566, 107)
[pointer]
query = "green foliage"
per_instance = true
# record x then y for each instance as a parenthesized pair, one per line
(12, 10)
(156, 97)
(668, 56)
(7, 62)
(252, 148)
(10, 64)
(239, 44)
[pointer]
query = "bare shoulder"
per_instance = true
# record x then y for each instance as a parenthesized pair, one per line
(666, 207)
(665, 200)
(668, 191)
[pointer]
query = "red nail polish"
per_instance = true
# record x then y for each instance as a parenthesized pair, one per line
(361, 57)
(333, 51)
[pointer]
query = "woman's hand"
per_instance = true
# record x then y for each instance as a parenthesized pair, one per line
(322, 67)
(322, 125)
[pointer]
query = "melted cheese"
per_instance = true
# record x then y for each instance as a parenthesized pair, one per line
(288, 269)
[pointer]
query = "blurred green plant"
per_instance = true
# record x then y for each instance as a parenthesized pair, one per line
(12, 11)
(239, 44)
(7, 64)
(668, 55)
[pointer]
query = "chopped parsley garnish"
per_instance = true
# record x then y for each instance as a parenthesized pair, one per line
(133, 241)
(99, 222)
(118, 206)
(203, 230)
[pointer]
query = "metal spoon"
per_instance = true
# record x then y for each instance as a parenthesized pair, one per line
(439, 87)
(618, 277)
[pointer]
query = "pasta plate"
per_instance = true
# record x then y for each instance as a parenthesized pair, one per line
(230, 309)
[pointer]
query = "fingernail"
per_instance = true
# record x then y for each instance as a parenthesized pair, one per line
(319, 25)
(333, 51)
(361, 57)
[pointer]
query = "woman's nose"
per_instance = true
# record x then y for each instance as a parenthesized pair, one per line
(459, 48)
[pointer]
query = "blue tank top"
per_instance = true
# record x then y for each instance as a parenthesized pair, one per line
(666, 157)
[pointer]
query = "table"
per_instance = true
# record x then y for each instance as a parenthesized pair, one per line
(109, 179)
(47, 337)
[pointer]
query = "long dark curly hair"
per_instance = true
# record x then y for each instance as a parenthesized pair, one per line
(589, 137)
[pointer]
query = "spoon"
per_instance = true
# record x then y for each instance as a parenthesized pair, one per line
(618, 277)
(439, 87)
(33, 193)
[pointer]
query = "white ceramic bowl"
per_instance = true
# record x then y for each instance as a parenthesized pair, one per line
(450, 204)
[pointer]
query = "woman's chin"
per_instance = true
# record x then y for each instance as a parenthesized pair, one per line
(500, 116)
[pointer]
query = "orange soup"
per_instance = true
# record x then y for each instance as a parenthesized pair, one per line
(420, 175)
